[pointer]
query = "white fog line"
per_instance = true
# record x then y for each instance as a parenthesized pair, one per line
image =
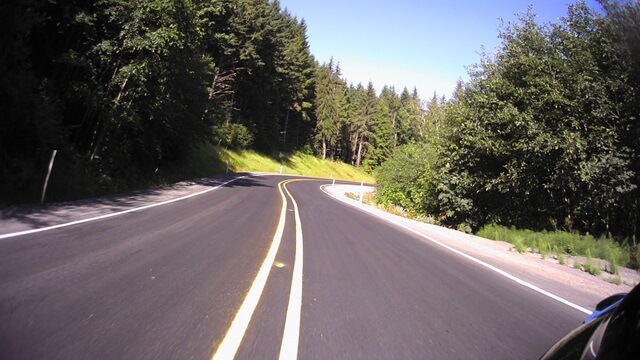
(291, 335)
(231, 342)
(478, 261)
(33, 231)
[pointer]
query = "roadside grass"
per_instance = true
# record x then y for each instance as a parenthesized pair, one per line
(202, 162)
(561, 259)
(288, 163)
(590, 266)
(567, 244)
(207, 160)
(519, 244)
(367, 198)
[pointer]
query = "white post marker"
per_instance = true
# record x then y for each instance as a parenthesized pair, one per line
(334, 183)
(226, 172)
(46, 180)
(280, 169)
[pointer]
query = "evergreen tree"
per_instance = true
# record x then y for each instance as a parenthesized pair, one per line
(364, 108)
(383, 127)
(331, 108)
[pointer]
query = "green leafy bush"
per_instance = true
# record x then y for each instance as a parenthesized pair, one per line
(233, 136)
(406, 179)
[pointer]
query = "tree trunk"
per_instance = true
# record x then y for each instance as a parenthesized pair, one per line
(354, 149)
(286, 124)
(324, 147)
(359, 158)
(96, 145)
(395, 131)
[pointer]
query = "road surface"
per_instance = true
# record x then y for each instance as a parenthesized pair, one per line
(234, 273)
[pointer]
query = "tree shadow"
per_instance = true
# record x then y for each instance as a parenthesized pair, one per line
(247, 182)
(24, 217)
(282, 158)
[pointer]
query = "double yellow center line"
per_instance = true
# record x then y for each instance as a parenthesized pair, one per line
(290, 339)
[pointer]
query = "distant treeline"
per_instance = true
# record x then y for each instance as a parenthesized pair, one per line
(123, 88)
(544, 135)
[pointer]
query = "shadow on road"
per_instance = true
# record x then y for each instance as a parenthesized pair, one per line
(17, 218)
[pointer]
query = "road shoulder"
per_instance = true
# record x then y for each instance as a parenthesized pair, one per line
(575, 285)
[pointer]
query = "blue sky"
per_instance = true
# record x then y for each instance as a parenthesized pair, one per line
(427, 44)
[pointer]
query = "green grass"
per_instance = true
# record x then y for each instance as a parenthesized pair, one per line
(590, 266)
(561, 259)
(209, 160)
(519, 245)
(564, 243)
(293, 164)
(615, 280)
(202, 162)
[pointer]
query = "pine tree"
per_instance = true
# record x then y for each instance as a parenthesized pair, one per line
(331, 108)
(365, 111)
(383, 138)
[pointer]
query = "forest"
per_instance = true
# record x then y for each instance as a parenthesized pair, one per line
(121, 89)
(543, 135)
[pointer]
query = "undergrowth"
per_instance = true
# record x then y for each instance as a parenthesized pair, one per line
(563, 243)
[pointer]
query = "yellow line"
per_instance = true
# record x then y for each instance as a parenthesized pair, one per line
(232, 340)
(289, 347)
(291, 335)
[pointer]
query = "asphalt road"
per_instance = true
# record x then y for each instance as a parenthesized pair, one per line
(169, 282)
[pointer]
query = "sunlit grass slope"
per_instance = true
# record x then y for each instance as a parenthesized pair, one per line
(291, 164)
(209, 159)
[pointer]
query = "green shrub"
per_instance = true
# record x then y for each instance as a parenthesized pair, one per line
(543, 248)
(615, 280)
(519, 245)
(406, 179)
(613, 266)
(561, 259)
(233, 136)
(590, 267)
(634, 255)
(566, 243)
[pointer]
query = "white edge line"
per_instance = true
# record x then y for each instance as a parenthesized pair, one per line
(33, 231)
(291, 335)
(478, 261)
(231, 342)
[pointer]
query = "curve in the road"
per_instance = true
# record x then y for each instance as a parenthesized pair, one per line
(469, 257)
(290, 339)
(105, 216)
(232, 340)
